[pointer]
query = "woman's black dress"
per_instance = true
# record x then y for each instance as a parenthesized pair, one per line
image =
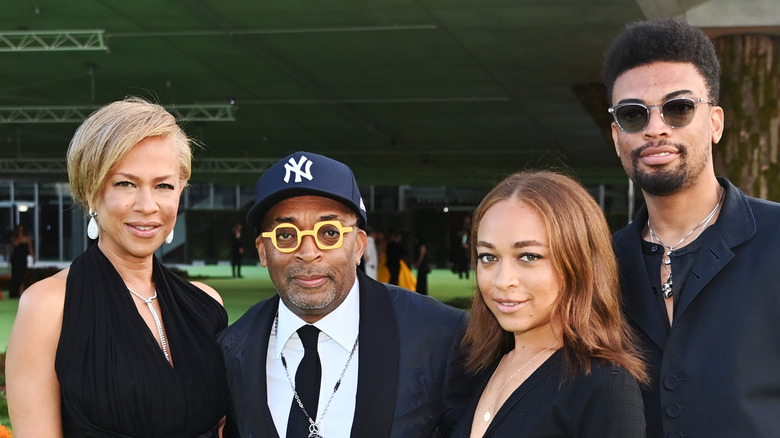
(114, 378)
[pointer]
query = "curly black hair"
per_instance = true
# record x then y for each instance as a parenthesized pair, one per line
(662, 40)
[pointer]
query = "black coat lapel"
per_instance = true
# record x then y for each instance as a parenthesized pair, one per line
(734, 226)
(378, 361)
(254, 394)
(639, 301)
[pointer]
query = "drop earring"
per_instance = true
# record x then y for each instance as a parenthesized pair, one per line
(93, 231)
(169, 239)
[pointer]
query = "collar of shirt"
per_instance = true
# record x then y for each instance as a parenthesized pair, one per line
(341, 325)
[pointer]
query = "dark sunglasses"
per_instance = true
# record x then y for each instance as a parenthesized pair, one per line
(633, 117)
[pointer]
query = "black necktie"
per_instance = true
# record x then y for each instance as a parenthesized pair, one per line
(307, 384)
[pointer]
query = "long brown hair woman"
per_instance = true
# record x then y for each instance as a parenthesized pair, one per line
(546, 329)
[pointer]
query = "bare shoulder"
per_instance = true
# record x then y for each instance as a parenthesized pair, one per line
(46, 297)
(209, 290)
(32, 386)
(40, 309)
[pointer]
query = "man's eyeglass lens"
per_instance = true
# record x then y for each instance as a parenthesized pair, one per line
(327, 235)
(634, 117)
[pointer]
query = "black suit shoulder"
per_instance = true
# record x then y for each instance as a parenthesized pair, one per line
(413, 307)
(426, 326)
(766, 212)
(234, 336)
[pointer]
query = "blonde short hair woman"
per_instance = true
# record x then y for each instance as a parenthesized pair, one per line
(116, 344)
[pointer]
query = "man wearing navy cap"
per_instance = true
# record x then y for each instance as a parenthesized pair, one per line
(335, 354)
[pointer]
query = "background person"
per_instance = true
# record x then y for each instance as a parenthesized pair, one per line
(371, 255)
(394, 254)
(236, 251)
(546, 328)
(461, 250)
(382, 273)
(423, 268)
(393, 352)
(699, 261)
(117, 345)
(22, 247)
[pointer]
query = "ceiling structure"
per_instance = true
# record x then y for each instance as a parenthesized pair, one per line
(407, 92)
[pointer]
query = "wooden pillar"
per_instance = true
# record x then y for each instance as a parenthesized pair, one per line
(750, 96)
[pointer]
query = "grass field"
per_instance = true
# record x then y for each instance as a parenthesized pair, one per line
(241, 293)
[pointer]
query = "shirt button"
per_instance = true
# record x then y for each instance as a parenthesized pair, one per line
(671, 382)
(654, 248)
(673, 410)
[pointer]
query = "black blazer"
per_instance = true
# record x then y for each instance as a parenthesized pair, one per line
(606, 403)
(411, 380)
(716, 370)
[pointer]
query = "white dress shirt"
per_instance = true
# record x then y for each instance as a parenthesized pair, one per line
(339, 333)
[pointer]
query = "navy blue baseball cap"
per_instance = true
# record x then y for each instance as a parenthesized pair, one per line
(301, 174)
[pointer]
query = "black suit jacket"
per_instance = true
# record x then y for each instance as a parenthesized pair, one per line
(716, 370)
(411, 381)
(606, 403)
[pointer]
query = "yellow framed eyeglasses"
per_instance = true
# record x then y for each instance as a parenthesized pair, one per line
(327, 234)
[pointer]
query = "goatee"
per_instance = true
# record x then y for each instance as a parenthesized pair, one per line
(661, 181)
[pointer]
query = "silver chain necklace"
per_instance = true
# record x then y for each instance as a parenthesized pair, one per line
(314, 426)
(666, 288)
(148, 302)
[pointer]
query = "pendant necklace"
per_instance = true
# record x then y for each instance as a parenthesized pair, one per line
(148, 302)
(314, 426)
(666, 260)
(487, 415)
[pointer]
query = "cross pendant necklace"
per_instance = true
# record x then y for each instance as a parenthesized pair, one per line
(666, 287)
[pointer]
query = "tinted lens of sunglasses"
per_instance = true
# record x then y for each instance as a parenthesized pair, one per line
(678, 112)
(675, 112)
(632, 117)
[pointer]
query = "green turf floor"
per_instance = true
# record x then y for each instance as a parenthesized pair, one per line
(241, 293)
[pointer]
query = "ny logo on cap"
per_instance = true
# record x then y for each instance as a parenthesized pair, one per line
(292, 166)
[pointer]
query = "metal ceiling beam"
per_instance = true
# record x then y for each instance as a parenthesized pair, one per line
(58, 166)
(55, 40)
(77, 114)
(44, 114)
(282, 31)
(232, 165)
(203, 113)
(33, 165)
